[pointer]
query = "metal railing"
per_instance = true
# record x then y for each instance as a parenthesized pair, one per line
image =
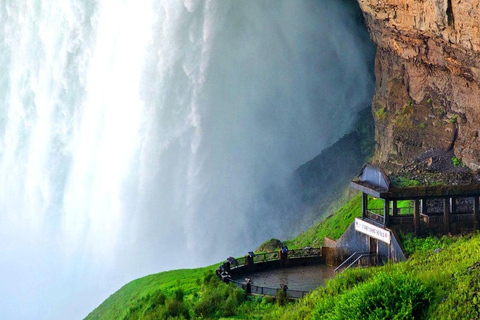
(264, 257)
(272, 256)
(236, 262)
(374, 217)
(353, 257)
(290, 294)
(357, 260)
(305, 252)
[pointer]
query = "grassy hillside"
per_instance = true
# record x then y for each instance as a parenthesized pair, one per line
(147, 291)
(441, 280)
(333, 226)
(140, 298)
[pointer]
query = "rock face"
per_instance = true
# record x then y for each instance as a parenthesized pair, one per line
(427, 69)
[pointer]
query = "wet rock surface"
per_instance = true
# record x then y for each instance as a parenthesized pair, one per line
(427, 78)
(436, 167)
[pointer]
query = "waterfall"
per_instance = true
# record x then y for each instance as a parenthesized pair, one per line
(134, 135)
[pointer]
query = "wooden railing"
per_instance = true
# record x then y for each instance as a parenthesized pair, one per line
(432, 218)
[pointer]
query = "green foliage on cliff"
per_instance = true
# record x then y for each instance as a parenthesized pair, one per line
(332, 227)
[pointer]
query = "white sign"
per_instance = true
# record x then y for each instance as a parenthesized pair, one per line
(372, 230)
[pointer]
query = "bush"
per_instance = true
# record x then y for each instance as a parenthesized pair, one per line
(176, 308)
(179, 295)
(281, 298)
(268, 300)
(395, 296)
(218, 299)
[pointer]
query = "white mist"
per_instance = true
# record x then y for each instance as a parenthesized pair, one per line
(135, 134)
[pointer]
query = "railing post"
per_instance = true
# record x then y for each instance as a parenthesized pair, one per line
(453, 205)
(226, 266)
(249, 262)
(283, 255)
(476, 216)
(416, 216)
(424, 206)
(446, 214)
(364, 204)
(386, 212)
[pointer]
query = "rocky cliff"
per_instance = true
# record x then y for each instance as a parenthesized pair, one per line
(427, 69)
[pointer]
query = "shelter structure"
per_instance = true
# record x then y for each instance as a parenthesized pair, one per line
(437, 208)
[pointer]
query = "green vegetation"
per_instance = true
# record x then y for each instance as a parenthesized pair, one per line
(422, 125)
(456, 161)
(454, 119)
(441, 280)
(380, 113)
(270, 246)
(398, 181)
(332, 227)
(403, 115)
(158, 291)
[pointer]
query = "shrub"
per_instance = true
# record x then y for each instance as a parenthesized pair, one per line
(396, 296)
(281, 298)
(456, 161)
(176, 308)
(380, 113)
(267, 300)
(179, 295)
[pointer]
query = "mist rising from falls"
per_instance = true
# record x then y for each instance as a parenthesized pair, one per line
(134, 135)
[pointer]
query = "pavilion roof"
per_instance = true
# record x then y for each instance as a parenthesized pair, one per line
(374, 181)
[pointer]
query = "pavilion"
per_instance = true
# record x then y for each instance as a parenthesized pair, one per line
(438, 208)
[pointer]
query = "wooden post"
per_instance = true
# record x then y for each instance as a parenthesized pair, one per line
(394, 208)
(416, 216)
(446, 215)
(364, 204)
(476, 214)
(386, 212)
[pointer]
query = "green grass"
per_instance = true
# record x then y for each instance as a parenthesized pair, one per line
(332, 227)
(404, 182)
(117, 306)
(441, 284)
(441, 280)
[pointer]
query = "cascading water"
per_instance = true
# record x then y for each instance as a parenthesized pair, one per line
(135, 134)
